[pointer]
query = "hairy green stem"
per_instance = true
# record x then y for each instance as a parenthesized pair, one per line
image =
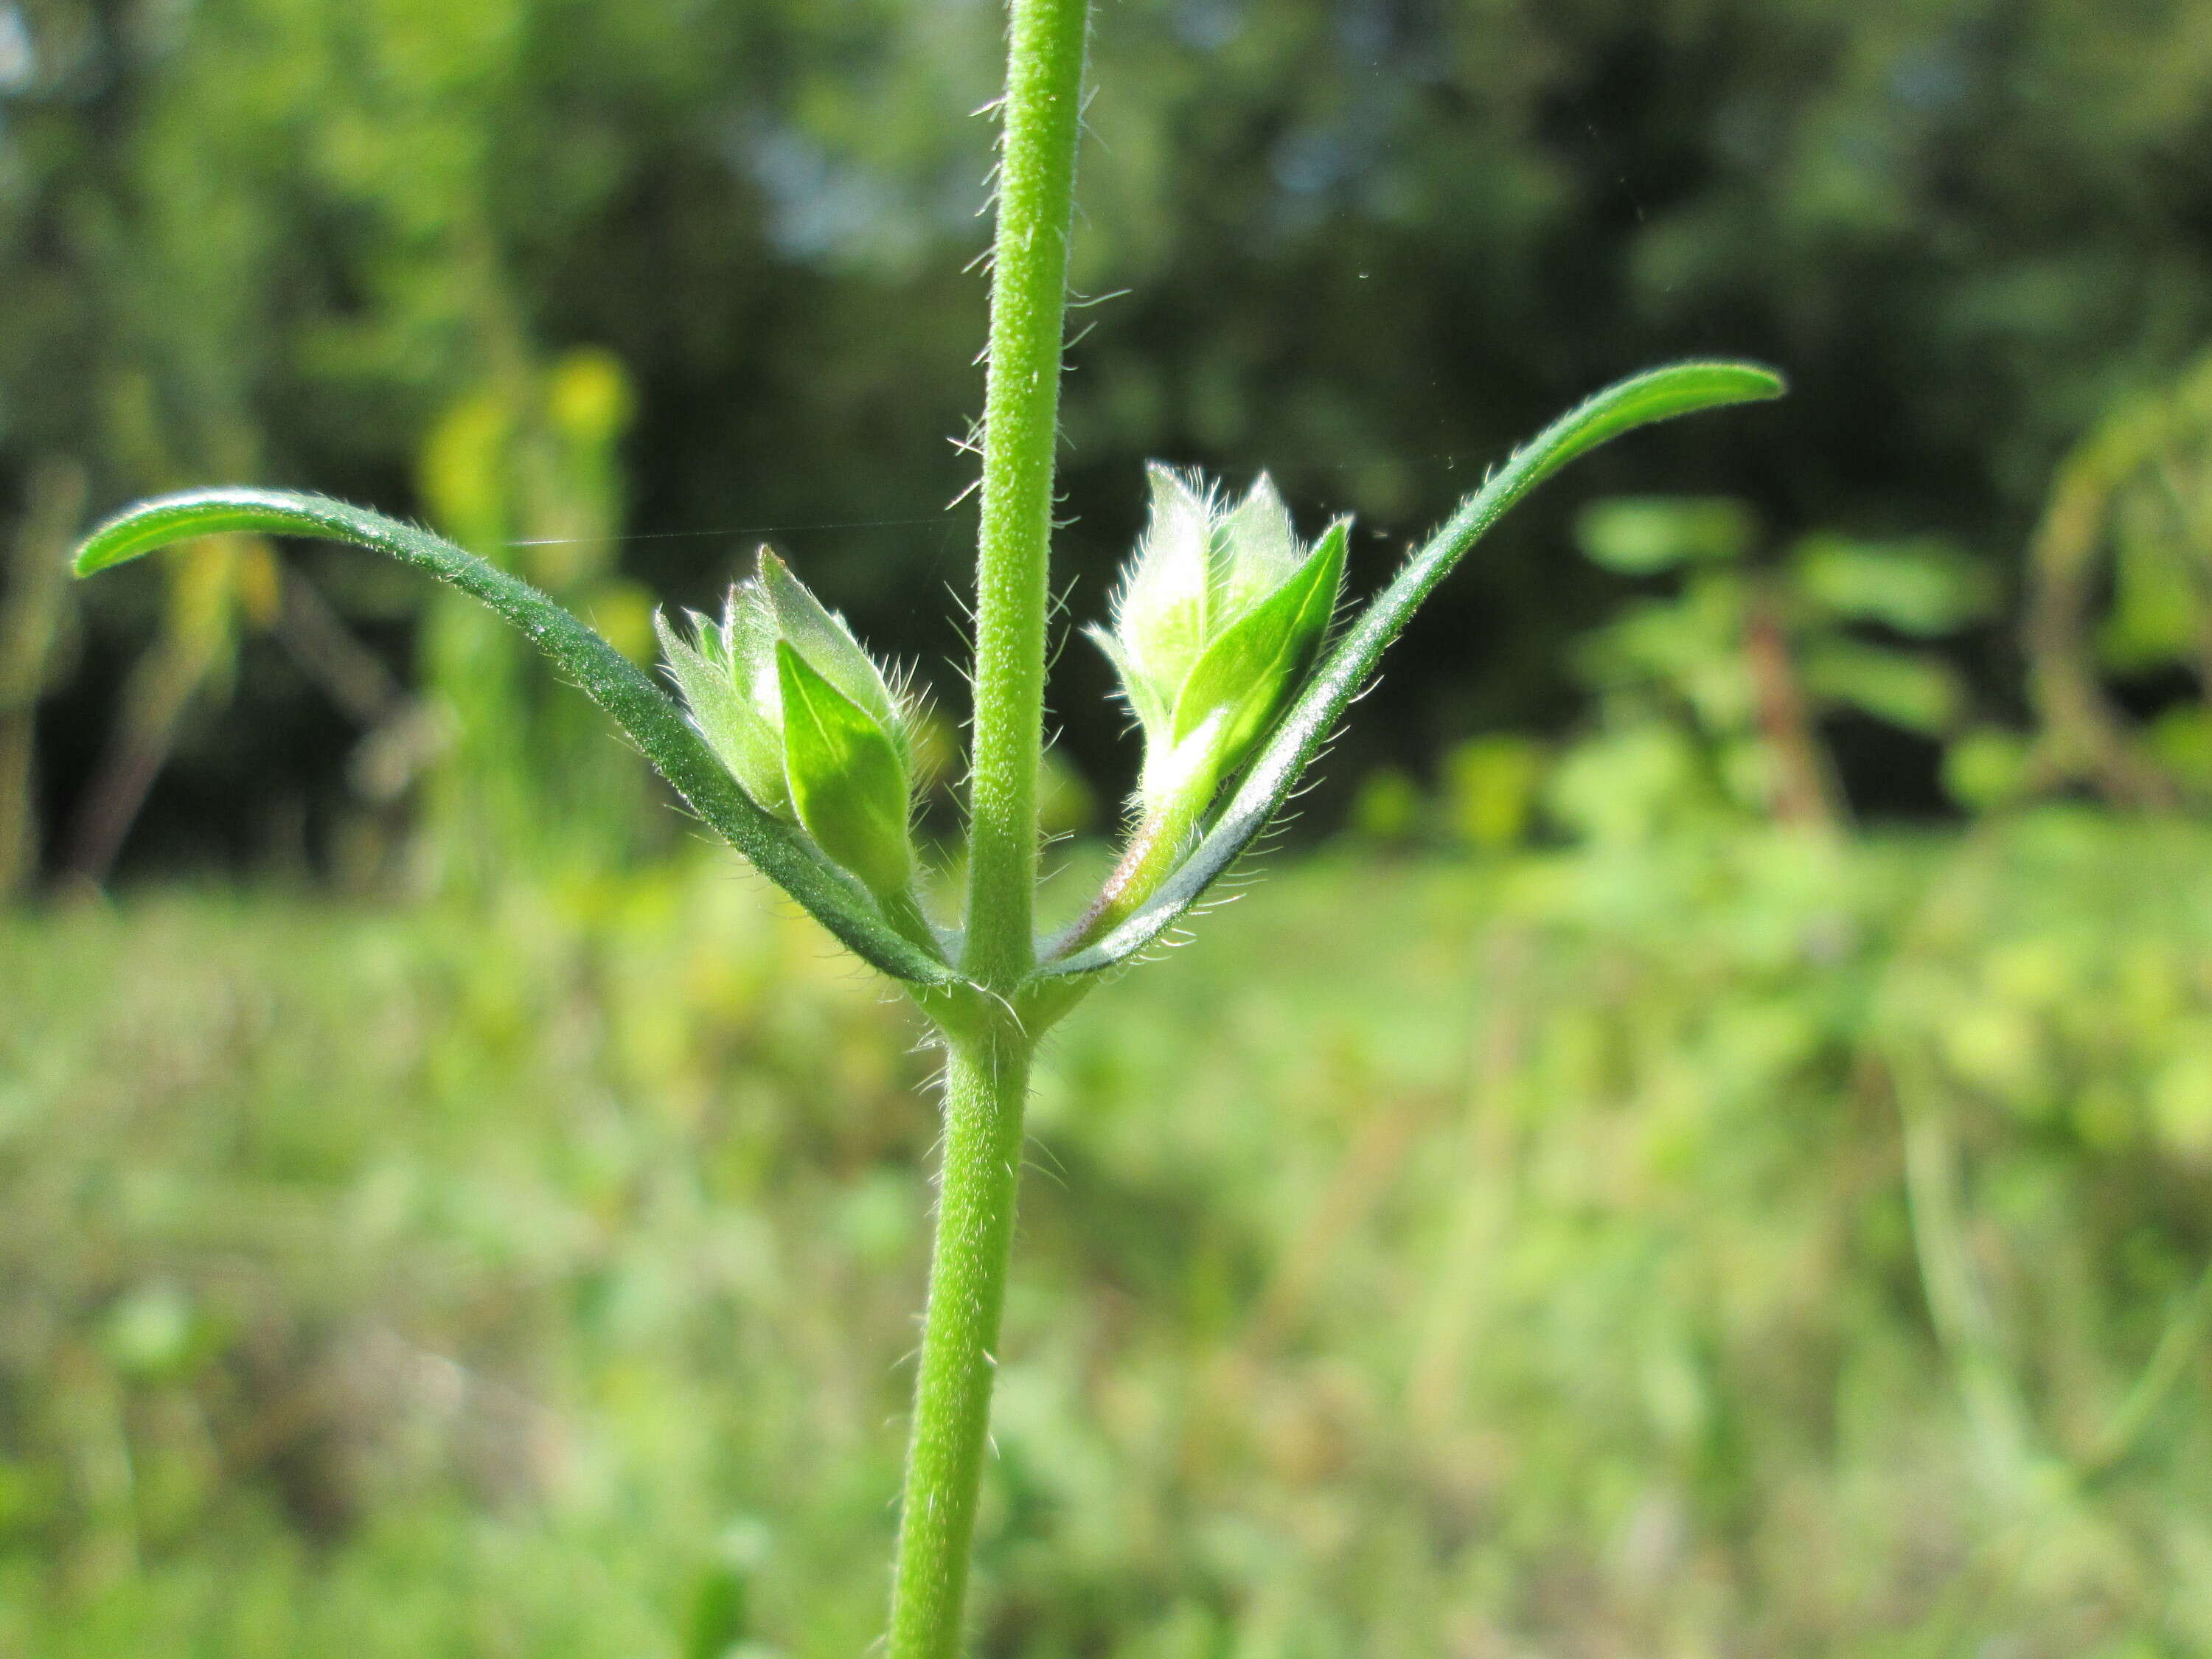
(1021, 423)
(988, 1063)
(986, 1085)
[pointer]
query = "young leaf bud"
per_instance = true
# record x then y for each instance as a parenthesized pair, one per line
(848, 780)
(1221, 613)
(805, 719)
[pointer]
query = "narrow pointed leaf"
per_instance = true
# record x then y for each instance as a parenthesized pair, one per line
(604, 675)
(1161, 612)
(1657, 394)
(846, 777)
(1259, 549)
(749, 637)
(1247, 670)
(828, 645)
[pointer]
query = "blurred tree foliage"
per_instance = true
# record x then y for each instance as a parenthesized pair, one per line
(1365, 243)
(2131, 513)
(527, 464)
(1711, 701)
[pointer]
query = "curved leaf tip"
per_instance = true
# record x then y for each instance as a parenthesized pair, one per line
(151, 525)
(1657, 394)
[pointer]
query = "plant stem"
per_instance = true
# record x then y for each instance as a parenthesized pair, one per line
(1021, 424)
(986, 1083)
(988, 1057)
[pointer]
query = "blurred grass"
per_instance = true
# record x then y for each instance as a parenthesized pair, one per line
(1526, 1257)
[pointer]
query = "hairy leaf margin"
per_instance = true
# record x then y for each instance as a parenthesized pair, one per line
(1657, 394)
(610, 679)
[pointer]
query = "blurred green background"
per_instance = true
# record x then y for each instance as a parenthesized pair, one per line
(1701, 1144)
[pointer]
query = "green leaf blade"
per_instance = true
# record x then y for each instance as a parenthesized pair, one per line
(846, 780)
(827, 643)
(1247, 669)
(1658, 394)
(604, 674)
